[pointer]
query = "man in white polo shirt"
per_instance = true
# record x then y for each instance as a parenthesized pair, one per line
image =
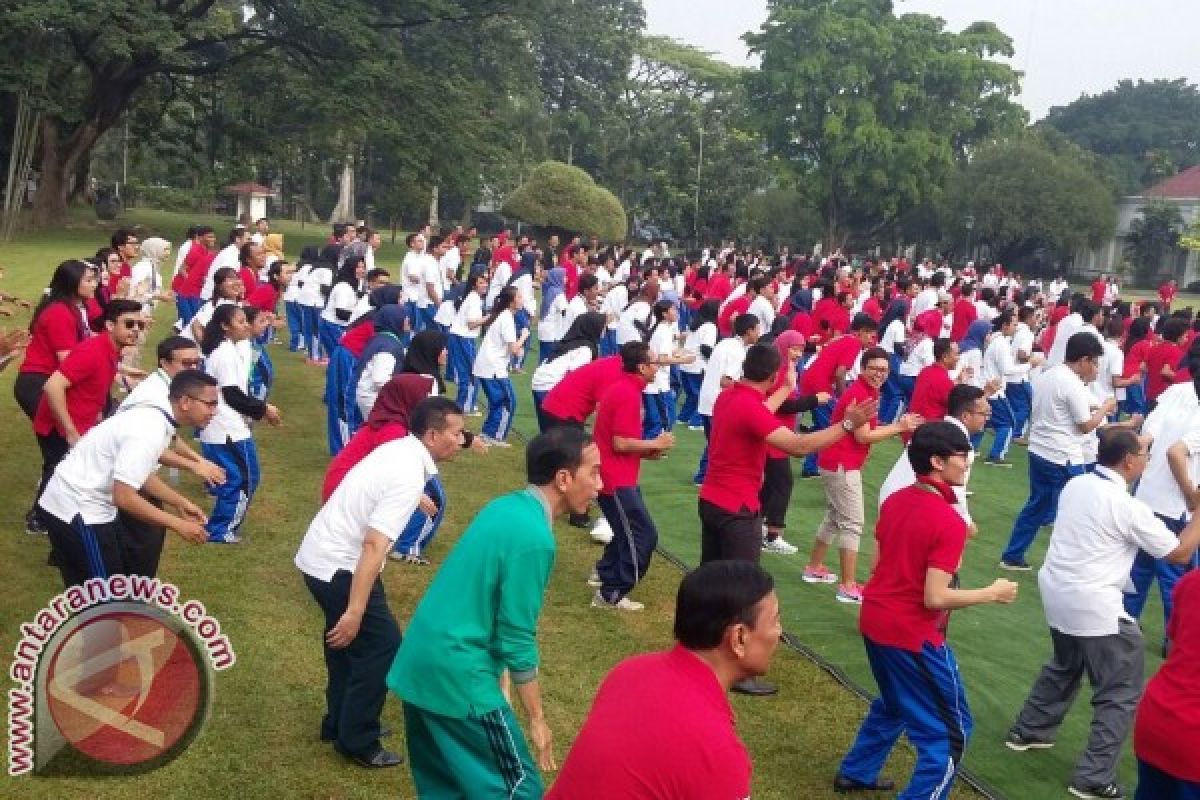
(341, 558)
(102, 476)
(1099, 530)
(1169, 488)
(1063, 417)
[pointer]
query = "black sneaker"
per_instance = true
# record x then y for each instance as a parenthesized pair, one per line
(1111, 791)
(842, 784)
(1016, 566)
(34, 525)
(1021, 743)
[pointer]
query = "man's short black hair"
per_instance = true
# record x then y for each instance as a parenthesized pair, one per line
(633, 355)
(962, 399)
(247, 252)
(1174, 328)
(1026, 313)
(744, 323)
(863, 322)
(716, 595)
(121, 305)
(189, 381)
(1115, 445)
(941, 347)
(588, 281)
(938, 438)
(378, 272)
(430, 415)
(1083, 345)
(169, 346)
(556, 449)
(121, 236)
(873, 354)
(761, 362)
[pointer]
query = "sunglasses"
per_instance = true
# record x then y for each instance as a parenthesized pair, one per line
(131, 324)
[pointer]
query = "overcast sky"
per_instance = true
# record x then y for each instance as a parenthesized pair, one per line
(1065, 47)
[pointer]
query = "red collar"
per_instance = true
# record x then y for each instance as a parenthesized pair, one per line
(941, 487)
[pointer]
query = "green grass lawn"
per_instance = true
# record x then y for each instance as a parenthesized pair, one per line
(261, 740)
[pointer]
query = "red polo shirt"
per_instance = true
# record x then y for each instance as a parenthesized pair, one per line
(1098, 289)
(619, 413)
(872, 308)
(829, 318)
(660, 728)
(1167, 731)
(819, 374)
(1136, 357)
(264, 297)
(196, 263)
(576, 395)
(737, 448)
(91, 368)
(59, 327)
(848, 453)
(719, 287)
(249, 279)
(964, 314)
(1161, 354)
(730, 312)
(918, 529)
(931, 393)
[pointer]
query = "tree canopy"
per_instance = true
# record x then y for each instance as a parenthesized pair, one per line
(563, 197)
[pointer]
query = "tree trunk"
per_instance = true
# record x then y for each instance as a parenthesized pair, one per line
(59, 162)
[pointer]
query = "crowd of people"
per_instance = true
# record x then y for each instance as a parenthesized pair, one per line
(768, 358)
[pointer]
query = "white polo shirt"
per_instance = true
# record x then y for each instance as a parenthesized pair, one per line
(1112, 364)
(492, 358)
(431, 272)
(627, 331)
(318, 278)
(154, 390)
(125, 447)
(577, 307)
(1097, 533)
(343, 297)
(893, 335)
(704, 336)
(614, 304)
(230, 365)
(761, 308)
(999, 362)
(725, 361)
(662, 343)
(1061, 403)
(1067, 327)
(410, 275)
(1174, 420)
(379, 493)
(903, 475)
(920, 357)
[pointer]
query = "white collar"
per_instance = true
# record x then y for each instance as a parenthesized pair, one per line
(1111, 474)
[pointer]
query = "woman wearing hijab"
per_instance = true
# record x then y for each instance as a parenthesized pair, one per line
(382, 358)
(343, 298)
(580, 346)
(427, 355)
(272, 246)
(776, 491)
(550, 317)
(893, 338)
(145, 282)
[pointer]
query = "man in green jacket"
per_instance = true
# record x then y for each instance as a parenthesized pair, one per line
(479, 618)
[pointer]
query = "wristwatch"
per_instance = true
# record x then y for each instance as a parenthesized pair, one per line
(847, 426)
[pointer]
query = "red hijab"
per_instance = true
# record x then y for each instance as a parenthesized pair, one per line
(397, 398)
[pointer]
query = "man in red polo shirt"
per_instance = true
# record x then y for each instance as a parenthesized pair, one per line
(77, 394)
(661, 725)
(827, 373)
(194, 272)
(618, 435)
(931, 392)
(743, 426)
(907, 603)
(965, 313)
(1099, 287)
(1162, 361)
(841, 467)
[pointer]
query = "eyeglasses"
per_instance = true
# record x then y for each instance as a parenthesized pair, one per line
(131, 324)
(209, 403)
(876, 370)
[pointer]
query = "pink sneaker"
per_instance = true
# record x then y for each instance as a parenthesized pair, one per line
(819, 574)
(849, 593)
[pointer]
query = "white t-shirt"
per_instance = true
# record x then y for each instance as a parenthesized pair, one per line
(549, 373)
(499, 280)
(471, 310)
(725, 361)
(379, 493)
(926, 299)
(550, 327)
(972, 360)
(662, 343)
(202, 317)
(1061, 403)
(893, 335)
(227, 257)
(154, 391)
(1097, 533)
(1112, 364)
(342, 297)
(291, 294)
(431, 273)
(361, 309)
(1022, 342)
(614, 304)
(377, 372)
(145, 283)
(574, 308)
(230, 365)
(999, 362)
(492, 358)
(627, 331)
(410, 275)
(704, 336)
(761, 308)
(318, 278)
(1067, 327)
(1177, 419)
(125, 447)
(920, 357)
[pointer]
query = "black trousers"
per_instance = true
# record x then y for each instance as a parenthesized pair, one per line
(27, 390)
(142, 542)
(84, 551)
(776, 491)
(729, 536)
(627, 557)
(54, 449)
(356, 687)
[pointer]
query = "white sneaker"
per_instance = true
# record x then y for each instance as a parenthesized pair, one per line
(779, 546)
(594, 580)
(601, 532)
(624, 604)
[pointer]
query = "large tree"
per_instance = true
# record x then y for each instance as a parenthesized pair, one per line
(1146, 131)
(85, 64)
(871, 111)
(1029, 193)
